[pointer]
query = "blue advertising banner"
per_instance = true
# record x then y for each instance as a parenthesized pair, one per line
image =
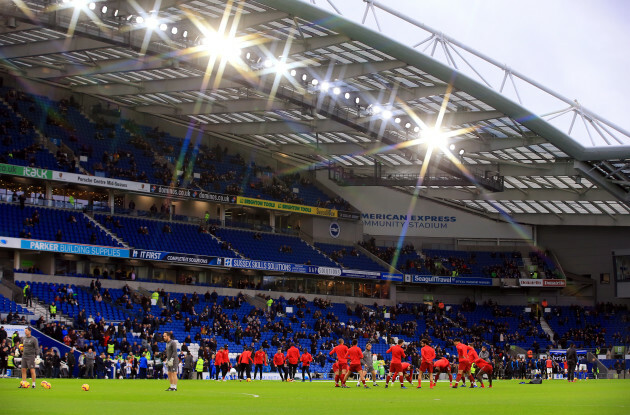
(176, 257)
(274, 266)
(388, 276)
(78, 249)
(432, 279)
(355, 273)
(558, 355)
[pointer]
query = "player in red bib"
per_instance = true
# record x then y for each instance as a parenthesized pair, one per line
(484, 367)
(464, 363)
(395, 367)
(355, 355)
(428, 355)
(341, 350)
(442, 365)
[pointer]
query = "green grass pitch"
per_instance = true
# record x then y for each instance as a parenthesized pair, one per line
(118, 397)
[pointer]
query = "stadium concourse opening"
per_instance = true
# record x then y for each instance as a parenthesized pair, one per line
(220, 193)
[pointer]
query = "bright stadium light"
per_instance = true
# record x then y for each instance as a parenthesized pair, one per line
(397, 120)
(268, 63)
(387, 114)
(336, 90)
(434, 138)
(325, 86)
(78, 4)
(151, 22)
(461, 152)
(292, 73)
(347, 95)
(314, 82)
(92, 6)
(104, 9)
(452, 147)
(416, 129)
(408, 125)
(173, 30)
(357, 100)
(163, 27)
(139, 19)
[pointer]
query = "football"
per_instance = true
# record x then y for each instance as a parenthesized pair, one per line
(24, 384)
(85, 387)
(46, 385)
(249, 380)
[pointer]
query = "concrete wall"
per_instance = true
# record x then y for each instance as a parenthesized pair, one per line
(587, 250)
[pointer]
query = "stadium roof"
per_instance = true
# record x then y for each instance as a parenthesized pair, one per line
(317, 88)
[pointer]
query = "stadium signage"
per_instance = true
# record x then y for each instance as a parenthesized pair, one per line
(330, 271)
(192, 194)
(6, 242)
(176, 257)
(76, 249)
(530, 283)
(388, 276)
(286, 207)
(100, 181)
(558, 356)
(25, 171)
(342, 214)
(554, 283)
(434, 279)
(541, 283)
(269, 266)
(355, 273)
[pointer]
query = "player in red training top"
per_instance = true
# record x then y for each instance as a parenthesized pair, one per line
(484, 367)
(337, 372)
(341, 350)
(442, 365)
(407, 371)
(244, 364)
(225, 361)
(428, 355)
(472, 356)
(395, 367)
(464, 363)
(278, 361)
(260, 360)
(306, 360)
(293, 358)
(355, 355)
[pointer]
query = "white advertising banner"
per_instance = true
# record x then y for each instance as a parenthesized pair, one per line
(100, 181)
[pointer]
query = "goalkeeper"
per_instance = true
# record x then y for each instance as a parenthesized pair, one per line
(172, 361)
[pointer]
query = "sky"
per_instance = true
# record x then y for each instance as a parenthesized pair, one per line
(577, 48)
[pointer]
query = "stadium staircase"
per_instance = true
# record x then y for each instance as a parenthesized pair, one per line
(41, 309)
(547, 328)
(11, 291)
(256, 302)
(527, 263)
(374, 258)
(107, 231)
